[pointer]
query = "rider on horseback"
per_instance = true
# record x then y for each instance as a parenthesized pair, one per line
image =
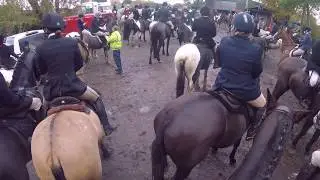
(164, 15)
(306, 43)
(95, 27)
(59, 58)
(205, 29)
(241, 66)
(313, 67)
(146, 14)
(12, 104)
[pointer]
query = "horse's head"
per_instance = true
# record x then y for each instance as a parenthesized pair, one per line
(285, 35)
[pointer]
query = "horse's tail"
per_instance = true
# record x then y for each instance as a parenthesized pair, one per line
(180, 69)
(158, 155)
(58, 172)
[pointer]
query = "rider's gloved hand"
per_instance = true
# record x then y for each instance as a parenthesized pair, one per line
(36, 104)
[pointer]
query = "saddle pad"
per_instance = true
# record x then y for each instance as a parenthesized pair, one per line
(71, 107)
(64, 101)
(229, 101)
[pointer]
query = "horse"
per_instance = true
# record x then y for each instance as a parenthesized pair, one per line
(94, 42)
(145, 23)
(132, 31)
(84, 51)
(310, 170)
(14, 129)
(185, 34)
(292, 75)
(189, 60)
(159, 31)
(187, 127)
(263, 158)
(287, 43)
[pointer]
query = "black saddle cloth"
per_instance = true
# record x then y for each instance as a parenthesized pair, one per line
(233, 103)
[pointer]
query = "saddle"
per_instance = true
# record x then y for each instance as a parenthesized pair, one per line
(67, 103)
(232, 103)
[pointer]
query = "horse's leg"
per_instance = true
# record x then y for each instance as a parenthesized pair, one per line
(314, 138)
(182, 173)
(168, 41)
(151, 50)
(163, 53)
(205, 80)
(303, 131)
(233, 153)
(106, 55)
(144, 36)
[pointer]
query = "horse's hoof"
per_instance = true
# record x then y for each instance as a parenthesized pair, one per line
(150, 62)
(168, 54)
(232, 162)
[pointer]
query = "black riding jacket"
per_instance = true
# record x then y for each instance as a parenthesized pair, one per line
(164, 14)
(11, 103)
(59, 58)
(206, 31)
(146, 13)
(5, 53)
(136, 15)
(314, 61)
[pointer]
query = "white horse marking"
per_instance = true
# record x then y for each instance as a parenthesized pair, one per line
(315, 158)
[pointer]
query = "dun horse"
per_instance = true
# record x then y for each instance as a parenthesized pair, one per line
(187, 127)
(292, 75)
(14, 146)
(159, 31)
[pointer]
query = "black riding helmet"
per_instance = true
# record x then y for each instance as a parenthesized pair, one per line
(53, 22)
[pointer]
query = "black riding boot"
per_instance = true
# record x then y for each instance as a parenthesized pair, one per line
(255, 118)
(101, 112)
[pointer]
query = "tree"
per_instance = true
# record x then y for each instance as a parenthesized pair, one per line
(304, 7)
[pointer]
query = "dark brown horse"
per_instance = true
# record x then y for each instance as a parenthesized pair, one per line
(267, 148)
(159, 32)
(291, 76)
(190, 125)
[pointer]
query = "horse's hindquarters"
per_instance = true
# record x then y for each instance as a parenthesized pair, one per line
(68, 140)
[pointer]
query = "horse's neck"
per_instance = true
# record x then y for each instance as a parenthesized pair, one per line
(267, 149)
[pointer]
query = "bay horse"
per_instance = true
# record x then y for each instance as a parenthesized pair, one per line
(14, 147)
(292, 76)
(187, 127)
(189, 60)
(159, 32)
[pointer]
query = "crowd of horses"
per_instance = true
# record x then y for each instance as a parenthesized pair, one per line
(186, 128)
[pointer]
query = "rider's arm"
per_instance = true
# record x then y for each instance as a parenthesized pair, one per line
(257, 65)
(10, 99)
(194, 26)
(11, 52)
(78, 60)
(214, 30)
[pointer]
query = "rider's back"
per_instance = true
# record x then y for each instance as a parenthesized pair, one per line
(60, 59)
(204, 27)
(59, 55)
(163, 14)
(240, 62)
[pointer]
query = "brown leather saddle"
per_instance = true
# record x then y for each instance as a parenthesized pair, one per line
(233, 103)
(67, 103)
